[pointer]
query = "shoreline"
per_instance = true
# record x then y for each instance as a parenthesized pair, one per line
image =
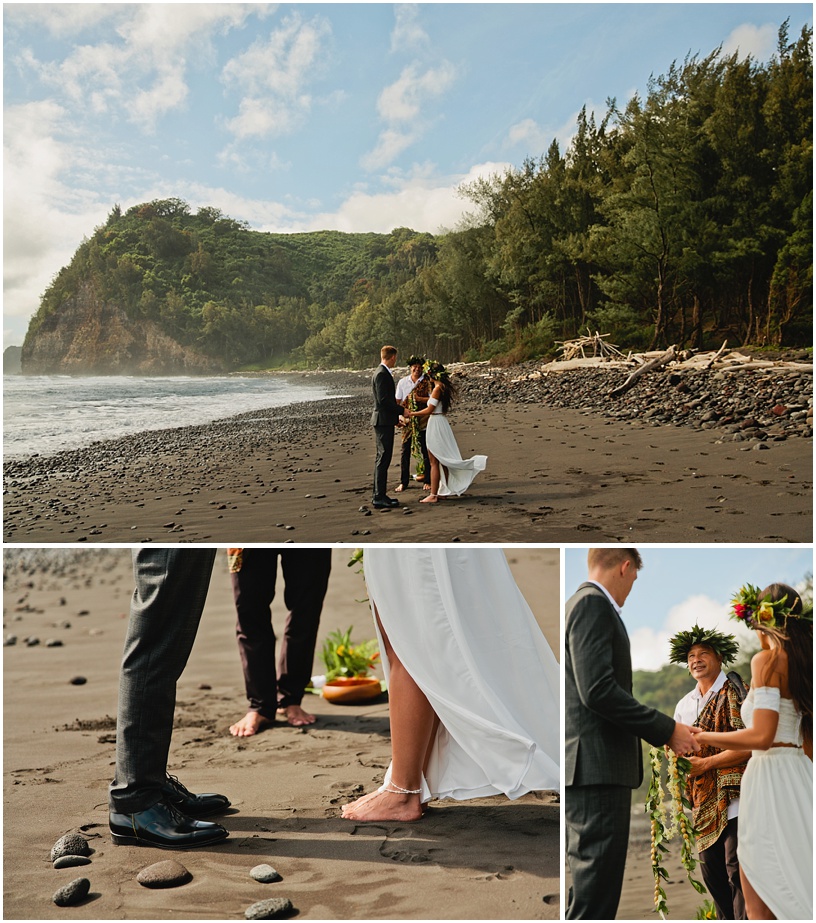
(564, 465)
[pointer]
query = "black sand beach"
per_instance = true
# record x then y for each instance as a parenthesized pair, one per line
(699, 457)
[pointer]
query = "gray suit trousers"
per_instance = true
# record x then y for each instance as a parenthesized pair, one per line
(171, 587)
(597, 825)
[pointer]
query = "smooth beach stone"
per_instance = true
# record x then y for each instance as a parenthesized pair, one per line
(166, 874)
(72, 844)
(78, 681)
(9, 640)
(53, 642)
(265, 873)
(271, 909)
(72, 893)
(65, 862)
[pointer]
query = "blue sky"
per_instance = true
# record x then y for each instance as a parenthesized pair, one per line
(294, 117)
(678, 586)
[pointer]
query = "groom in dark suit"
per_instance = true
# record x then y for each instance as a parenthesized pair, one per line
(384, 418)
(604, 725)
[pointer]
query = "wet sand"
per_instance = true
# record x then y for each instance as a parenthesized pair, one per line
(484, 859)
(554, 475)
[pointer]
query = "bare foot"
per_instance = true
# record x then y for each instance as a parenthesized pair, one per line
(399, 488)
(431, 498)
(384, 805)
(296, 716)
(251, 723)
(425, 487)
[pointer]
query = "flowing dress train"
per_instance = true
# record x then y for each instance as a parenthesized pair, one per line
(442, 445)
(775, 843)
(467, 637)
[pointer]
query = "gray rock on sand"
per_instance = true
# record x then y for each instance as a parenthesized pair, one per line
(166, 874)
(65, 862)
(272, 909)
(72, 893)
(53, 642)
(78, 680)
(72, 844)
(265, 874)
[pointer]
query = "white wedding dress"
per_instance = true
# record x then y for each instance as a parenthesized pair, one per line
(442, 445)
(467, 637)
(775, 841)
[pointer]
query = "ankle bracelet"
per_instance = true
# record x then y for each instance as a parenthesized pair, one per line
(396, 790)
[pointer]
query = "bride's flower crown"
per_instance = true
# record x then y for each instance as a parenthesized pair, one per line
(747, 607)
(436, 370)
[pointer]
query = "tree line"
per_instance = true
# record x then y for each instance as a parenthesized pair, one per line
(684, 217)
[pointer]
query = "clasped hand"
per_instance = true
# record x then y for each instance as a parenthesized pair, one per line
(682, 740)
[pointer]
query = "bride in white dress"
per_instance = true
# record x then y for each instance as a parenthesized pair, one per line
(775, 840)
(450, 473)
(473, 684)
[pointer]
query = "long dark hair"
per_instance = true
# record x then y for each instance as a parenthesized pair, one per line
(440, 376)
(795, 637)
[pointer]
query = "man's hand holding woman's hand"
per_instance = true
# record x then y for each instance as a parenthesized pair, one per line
(682, 740)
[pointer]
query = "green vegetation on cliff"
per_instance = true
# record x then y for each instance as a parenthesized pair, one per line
(685, 217)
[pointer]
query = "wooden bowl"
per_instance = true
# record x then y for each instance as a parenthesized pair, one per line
(348, 690)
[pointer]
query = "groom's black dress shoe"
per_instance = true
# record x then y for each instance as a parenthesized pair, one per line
(387, 503)
(173, 792)
(164, 827)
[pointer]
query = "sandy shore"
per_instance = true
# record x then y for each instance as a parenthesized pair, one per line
(554, 475)
(486, 859)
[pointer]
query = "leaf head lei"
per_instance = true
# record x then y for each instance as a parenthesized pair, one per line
(723, 645)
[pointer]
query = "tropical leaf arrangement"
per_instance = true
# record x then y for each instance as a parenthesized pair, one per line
(344, 659)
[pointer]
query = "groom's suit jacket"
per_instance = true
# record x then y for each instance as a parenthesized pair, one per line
(386, 409)
(604, 722)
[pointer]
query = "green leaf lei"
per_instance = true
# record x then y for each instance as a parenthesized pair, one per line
(416, 446)
(663, 830)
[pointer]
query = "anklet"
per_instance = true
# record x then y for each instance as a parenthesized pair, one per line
(396, 790)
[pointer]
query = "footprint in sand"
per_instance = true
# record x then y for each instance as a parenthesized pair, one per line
(406, 855)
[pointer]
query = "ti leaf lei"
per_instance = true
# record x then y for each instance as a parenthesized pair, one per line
(663, 829)
(416, 447)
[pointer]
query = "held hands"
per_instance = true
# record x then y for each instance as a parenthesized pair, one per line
(682, 740)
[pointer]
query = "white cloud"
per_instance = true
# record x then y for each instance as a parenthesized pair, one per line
(44, 220)
(419, 201)
(142, 73)
(534, 139)
(400, 107)
(273, 75)
(650, 646)
(408, 33)
(390, 144)
(403, 99)
(757, 41)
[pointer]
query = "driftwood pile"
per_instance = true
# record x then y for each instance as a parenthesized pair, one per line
(600, 349)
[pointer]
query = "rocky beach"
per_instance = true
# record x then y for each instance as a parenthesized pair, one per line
(482, 859)
(688, 454)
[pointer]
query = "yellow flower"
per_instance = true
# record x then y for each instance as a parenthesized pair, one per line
(765, 612)
(341, 650)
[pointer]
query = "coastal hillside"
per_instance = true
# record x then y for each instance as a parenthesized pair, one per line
(683, 217)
